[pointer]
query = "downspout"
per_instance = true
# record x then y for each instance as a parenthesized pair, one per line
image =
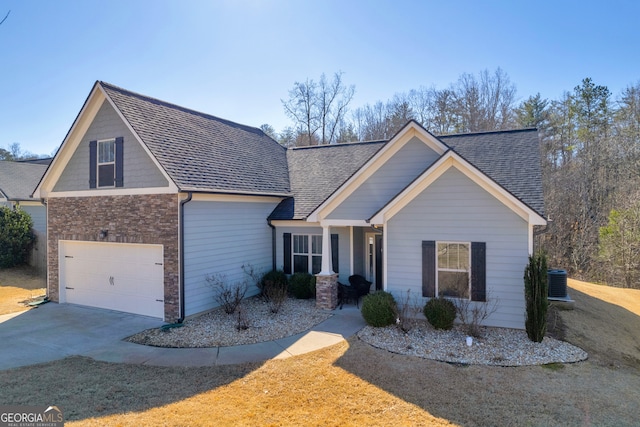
(273, 245)
(46, 236)
(181, 236)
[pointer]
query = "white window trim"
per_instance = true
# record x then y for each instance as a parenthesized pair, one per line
(454, 270)
(98, 163)
(309, 254)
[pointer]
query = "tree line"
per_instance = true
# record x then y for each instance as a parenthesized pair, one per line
(590, 151)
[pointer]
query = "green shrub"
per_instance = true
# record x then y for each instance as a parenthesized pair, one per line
(536, 288)
(379, 309)
(273, 279)
(440, 312)
(302, 285)
(16, 236)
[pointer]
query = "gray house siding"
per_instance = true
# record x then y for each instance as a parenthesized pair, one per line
(219, 238)
(344, 257)
(454, 208)
(402, 168)
(139, 169)
(38, 215)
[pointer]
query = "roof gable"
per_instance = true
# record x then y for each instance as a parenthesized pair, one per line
(512, 158)
(407, 134)
(201, 152)
(449, 160)
(195, 151)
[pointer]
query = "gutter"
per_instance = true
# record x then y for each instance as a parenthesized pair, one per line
(181, 236)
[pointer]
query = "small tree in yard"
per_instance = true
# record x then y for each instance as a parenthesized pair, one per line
(536, 288)
(16, 236)
(228, 295)
(473, 313)
(274, 285)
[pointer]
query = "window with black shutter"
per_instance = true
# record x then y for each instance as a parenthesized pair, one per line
(303, 253)
(106, 163)
(454, 270)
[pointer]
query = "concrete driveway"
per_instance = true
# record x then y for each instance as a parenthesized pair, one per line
(55, 331)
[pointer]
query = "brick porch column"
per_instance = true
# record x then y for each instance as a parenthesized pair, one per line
(326, 291)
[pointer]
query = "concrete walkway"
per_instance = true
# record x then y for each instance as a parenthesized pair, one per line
(54, 331)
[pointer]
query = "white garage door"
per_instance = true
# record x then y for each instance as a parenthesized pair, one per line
(116, 276)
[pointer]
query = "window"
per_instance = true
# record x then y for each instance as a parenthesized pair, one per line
(307, 253)
(453, 269)
(303, 253)
(106, 166)
(106, 163)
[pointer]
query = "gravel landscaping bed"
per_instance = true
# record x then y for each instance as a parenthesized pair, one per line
(219, 329)
(496, 346)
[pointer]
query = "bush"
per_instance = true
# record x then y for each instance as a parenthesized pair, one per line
(379, 309)
(273, 278)
(536, 288)
(274, 286)
(440, 312)
(16, 236)
(302, 285)
(472, 313)
(228, 295)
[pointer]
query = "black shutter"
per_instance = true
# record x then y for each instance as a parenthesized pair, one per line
(287, 252)
(429, 268)
(334, 253)
(93, 163)
(119, 162)
(478, 271)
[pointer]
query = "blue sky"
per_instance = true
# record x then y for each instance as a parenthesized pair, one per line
(237, 59)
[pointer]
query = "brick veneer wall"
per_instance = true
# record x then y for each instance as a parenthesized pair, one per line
(326, 291)
(147, 219)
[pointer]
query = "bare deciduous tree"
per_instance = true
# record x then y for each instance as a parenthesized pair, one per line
(485, 103)
(318, 109)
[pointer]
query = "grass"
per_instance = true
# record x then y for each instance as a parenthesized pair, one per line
(553, 366)
(17, 287)
(353, 384)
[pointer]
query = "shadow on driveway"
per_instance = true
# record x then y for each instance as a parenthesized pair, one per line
(55, 331)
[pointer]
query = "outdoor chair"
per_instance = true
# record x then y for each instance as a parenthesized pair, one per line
(347, 293)
(360, 285)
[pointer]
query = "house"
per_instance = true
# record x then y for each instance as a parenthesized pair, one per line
(17, 181)
(146, 198)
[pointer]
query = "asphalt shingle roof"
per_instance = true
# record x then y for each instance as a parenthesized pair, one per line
(18, 180)
(511, 158)
(204, 153)
(316, 172)
(201, 152)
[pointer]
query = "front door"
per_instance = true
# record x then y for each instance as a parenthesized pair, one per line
(373, 262)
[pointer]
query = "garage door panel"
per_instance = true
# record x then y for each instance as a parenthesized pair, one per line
(124, 277)
(138, 304)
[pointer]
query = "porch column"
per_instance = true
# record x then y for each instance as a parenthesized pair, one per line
(326, 268)
(326, 280)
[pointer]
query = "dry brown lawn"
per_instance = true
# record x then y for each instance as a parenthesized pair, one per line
(18, 286)
(353, 384)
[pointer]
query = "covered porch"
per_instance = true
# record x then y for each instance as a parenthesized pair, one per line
(332, 252)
